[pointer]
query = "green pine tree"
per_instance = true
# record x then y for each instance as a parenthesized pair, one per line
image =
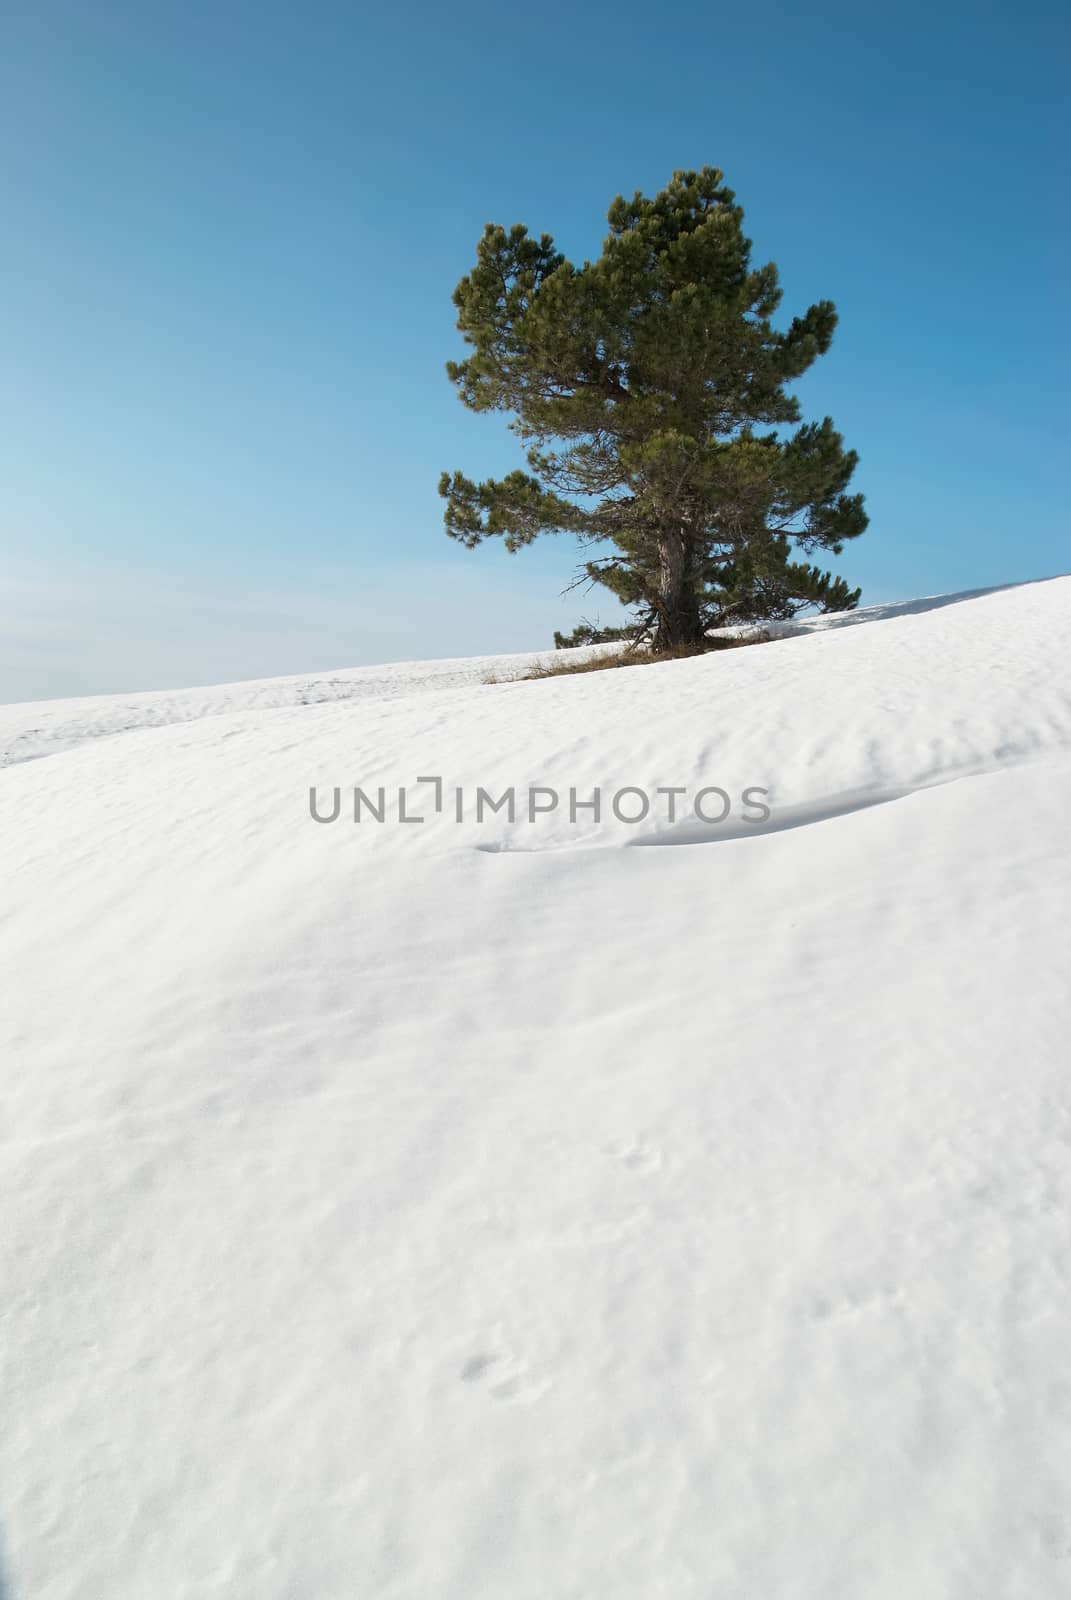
(649, 387)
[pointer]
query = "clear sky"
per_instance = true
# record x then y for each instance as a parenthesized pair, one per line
(229, 233)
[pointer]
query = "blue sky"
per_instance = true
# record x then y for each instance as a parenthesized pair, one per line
(230, 233)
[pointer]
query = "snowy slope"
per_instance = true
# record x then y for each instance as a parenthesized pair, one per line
(468, 1210)
(29, 730)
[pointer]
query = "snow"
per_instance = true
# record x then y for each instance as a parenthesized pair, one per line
(462, 1210)
(29, 730)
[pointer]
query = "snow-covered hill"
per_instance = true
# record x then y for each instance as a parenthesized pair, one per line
(475, 1209)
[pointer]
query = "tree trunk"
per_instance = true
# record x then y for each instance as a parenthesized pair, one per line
(678, 624)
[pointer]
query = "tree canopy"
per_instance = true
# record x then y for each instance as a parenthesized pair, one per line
(649, 386)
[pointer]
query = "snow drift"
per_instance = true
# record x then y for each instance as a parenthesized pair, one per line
(472, 1209)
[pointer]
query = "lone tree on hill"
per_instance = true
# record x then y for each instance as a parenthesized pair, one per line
(650, 387)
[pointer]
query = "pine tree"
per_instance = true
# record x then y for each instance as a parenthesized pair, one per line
(587, 632)
(649, 387)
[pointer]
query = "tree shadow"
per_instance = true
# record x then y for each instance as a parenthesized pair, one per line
(886, 613)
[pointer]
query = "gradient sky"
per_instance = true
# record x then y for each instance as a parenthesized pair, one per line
(230, 233)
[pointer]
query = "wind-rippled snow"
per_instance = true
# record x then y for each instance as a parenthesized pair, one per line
(387, 1215)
